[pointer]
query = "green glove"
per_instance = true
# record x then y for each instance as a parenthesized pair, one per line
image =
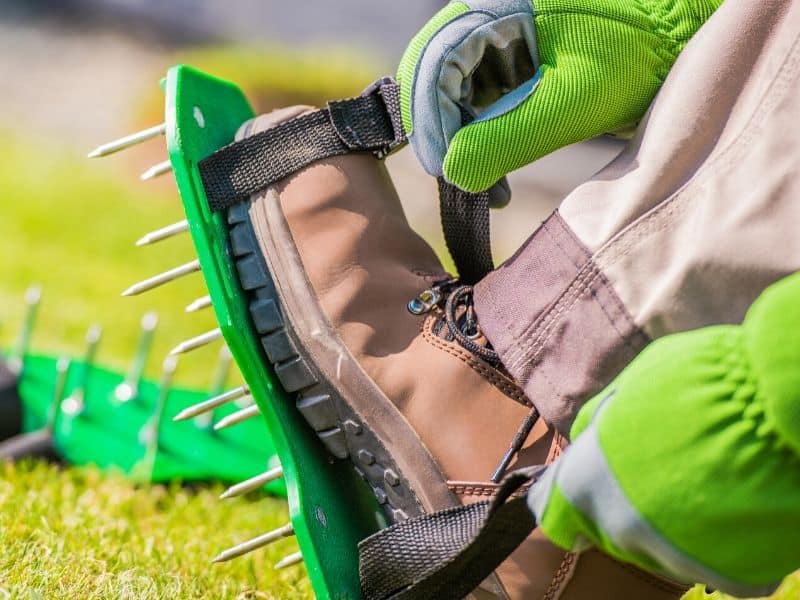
(689, 463)
(535, 75)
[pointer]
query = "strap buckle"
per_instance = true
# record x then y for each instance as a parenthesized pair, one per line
(388, 90)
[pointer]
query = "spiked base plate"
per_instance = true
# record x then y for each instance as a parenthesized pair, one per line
(108, 434)
(331, 508)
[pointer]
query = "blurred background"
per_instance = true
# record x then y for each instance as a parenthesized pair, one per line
(77, 73)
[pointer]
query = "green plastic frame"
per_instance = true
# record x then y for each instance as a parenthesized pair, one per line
(112, 435)
(331, 508)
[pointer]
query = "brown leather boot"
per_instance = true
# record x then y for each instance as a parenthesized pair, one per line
(417, 402)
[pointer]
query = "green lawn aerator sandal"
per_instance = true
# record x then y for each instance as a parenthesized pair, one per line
(383, 399)
(83, 413)
(330, 507)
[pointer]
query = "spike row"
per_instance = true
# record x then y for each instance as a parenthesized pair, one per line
(254, 544)
(170, 363)
(238, 417)
(252, 484)
(128, 141)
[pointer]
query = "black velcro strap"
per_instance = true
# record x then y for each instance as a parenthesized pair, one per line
(449, 553)
(465, 221)
(366, 123)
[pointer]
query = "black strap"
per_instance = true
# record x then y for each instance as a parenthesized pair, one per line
(369, 123)
(465, 222)
(449, 553)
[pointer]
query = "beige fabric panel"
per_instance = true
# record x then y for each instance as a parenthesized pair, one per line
(702, 210)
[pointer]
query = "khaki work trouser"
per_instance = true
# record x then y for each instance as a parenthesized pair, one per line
(684, 229)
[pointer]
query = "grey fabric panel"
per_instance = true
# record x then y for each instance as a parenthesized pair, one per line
(447, 61)
(699, 214)
(511, 100)
(585, 478)
(556, 323)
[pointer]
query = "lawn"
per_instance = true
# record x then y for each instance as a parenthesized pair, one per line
(70, 225)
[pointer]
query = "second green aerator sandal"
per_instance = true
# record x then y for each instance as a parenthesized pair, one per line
(76, 410)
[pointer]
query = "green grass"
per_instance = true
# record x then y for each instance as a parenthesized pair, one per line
(79, 534)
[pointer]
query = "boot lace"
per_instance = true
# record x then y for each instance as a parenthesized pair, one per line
(462, 322)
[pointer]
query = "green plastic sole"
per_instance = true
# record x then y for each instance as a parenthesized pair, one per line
(331, 508)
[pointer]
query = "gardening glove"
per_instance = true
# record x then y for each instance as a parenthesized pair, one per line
(488, 86)
(689, 463)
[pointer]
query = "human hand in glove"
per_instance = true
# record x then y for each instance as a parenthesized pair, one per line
(531, 76)
(689, 463)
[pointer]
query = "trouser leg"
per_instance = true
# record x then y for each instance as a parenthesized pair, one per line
(684, 229)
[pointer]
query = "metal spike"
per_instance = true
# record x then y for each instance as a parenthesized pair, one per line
(129, 389)
(163, 233)
(288, 561)
(197, 342)
(33, 296)
(237, 417)
(128, 141)
(162, 278)
(150, 432)
(74, 403)
(62, 371)
(254, 544)
(199, 304)
(169, 367)
(156, 170)
(252, 484)
(211, 404)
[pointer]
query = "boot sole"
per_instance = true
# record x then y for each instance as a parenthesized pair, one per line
(350, 415)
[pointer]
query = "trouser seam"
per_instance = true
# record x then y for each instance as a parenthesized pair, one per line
(553, 316)
(532, 351)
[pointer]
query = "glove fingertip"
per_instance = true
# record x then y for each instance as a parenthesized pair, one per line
(466, 166)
